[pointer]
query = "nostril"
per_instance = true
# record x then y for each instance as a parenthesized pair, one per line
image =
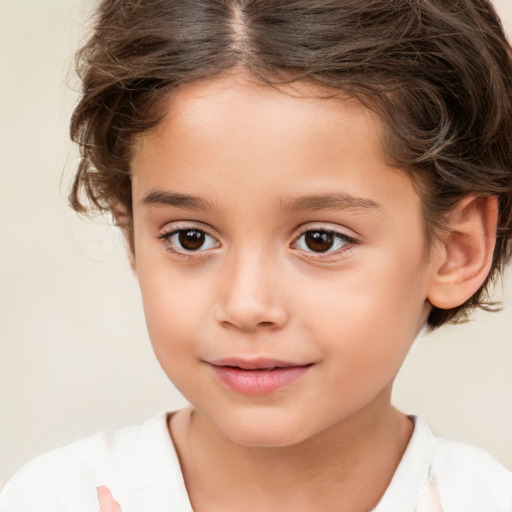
(247, 326)
(250, 315)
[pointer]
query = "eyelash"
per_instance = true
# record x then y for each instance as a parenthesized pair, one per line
(347, 243)
(183, 253)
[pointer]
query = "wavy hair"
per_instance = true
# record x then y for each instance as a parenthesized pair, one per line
(438, 72)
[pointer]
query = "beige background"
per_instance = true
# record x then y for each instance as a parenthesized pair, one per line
(75, 357)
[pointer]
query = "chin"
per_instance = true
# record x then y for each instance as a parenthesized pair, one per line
(263, 439)
(258, 433)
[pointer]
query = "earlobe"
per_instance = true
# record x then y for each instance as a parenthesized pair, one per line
(462, 257)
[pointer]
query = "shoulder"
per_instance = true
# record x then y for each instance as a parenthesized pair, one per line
(435, 474)
(469, 479)
(66, 479)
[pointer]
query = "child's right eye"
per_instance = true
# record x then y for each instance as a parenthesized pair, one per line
(188, 240)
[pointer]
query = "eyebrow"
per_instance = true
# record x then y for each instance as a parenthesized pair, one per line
(328, 202)
(158, 197)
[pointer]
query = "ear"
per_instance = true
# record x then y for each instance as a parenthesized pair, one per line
(462, 257)
(124, 220)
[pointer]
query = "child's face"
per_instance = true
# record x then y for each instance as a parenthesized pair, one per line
(299, 246)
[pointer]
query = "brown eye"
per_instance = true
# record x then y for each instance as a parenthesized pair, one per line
(319, 241)
(323, 241)
(191, 239)
(189, 242)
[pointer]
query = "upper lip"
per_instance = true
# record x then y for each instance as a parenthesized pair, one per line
(255, 364)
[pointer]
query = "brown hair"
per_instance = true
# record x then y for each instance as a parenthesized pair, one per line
(439, 73)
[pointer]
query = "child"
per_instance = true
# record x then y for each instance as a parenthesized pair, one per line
(303, 185)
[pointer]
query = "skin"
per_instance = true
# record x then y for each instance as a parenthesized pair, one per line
(331, 440)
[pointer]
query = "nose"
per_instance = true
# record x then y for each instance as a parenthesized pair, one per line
(250, 297)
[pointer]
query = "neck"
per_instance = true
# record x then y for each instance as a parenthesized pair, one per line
(346, 467)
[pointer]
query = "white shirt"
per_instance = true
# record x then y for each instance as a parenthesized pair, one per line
(140, 466)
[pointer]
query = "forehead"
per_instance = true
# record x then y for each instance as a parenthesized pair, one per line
(245, 96)
(232, 132)
(236, 113)
(212, 109)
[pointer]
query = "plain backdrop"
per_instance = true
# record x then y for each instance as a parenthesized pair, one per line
(75, 357)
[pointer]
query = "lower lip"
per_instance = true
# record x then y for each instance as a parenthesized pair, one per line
(259, 382)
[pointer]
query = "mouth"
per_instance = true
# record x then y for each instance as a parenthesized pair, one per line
(258, 376)
(256, 364)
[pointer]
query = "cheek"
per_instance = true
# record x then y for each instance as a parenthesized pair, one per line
(372, 312)
(171, 319)
(172, 302)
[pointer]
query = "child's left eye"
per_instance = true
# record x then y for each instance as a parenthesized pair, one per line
(322, 241)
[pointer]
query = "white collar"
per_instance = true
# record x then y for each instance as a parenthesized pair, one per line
(413, 474)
